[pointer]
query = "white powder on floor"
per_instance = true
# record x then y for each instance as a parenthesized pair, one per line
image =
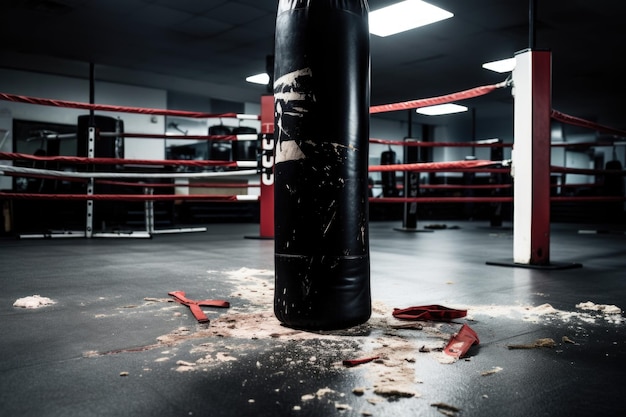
(398, 345)
(604, 308)
(545, 313)
(251, 317)
(252, 286)
(33, 301)
(319, 394)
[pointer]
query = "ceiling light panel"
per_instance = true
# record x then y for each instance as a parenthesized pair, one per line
(441, 109)
(403, 16)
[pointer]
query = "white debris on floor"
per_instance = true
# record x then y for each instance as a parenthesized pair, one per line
(545, 313)
(394, 346)
(33, 301)
(604, 308)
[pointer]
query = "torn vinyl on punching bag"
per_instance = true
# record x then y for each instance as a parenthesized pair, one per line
(321, 93)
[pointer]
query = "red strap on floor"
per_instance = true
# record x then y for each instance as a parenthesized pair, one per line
(194, 306)
(429, 312)
(354, 362)
(460, 343)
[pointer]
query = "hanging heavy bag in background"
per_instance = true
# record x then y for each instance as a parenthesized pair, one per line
(388, 178)
(322, 99)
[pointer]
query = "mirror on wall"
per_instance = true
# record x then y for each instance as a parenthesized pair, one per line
(177, 146)
(43, 139)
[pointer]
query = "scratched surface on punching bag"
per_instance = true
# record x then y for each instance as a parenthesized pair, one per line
(321, 163)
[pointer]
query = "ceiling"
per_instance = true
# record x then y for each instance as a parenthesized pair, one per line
(208, 47)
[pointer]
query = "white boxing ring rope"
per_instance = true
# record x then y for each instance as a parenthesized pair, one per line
(149, 204)
(137, 175)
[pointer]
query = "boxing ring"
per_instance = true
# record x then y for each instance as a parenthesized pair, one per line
(90, 176)
(530, 166)
(530, 191)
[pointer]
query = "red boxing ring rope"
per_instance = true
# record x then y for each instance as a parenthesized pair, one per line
(478, 144)
(105, 107)
(429, 200)
(425, 102)
(464, 187)
(439, 166)
(440, 199)
(576, 121)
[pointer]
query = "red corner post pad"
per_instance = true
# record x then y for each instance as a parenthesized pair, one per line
(194, 306)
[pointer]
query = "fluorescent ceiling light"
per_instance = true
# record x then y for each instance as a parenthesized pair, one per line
(259, 79)
(406, 15)
(441, 109)
(487, 141)
(503, 65)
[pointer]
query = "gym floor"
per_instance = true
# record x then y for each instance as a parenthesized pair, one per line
(112, 343)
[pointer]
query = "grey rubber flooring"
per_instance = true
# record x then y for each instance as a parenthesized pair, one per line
(113, 344)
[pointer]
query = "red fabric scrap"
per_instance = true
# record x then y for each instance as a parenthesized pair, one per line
(460, 343)
(355, 362)
(428, 312)
(194, 306)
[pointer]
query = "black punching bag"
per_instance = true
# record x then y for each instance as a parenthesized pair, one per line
(321, 99)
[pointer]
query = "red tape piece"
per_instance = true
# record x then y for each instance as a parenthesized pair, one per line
(428, 312)
(355, 362)
(194, 306)
(460, 343)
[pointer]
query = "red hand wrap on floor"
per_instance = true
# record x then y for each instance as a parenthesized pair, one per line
(194, 306)
(460, 343)
(429, 312)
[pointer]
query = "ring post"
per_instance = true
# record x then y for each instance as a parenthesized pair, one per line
(531, 161)
(531, 191)
(267, 163)
(497, 154)
(411, 190)
(91, 150)
(91, 145)
(149, 211)
(265, 167)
